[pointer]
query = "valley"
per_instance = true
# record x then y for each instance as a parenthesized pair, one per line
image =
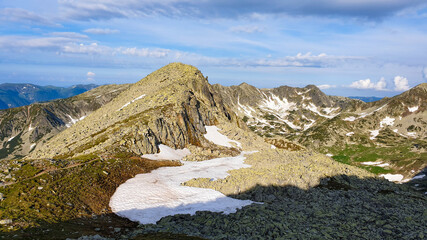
(178, 155)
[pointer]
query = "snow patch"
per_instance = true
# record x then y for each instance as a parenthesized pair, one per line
(349, 134)
(378, 164)
(329, 155)
(73, 121)
(247, 110)
(387, 121)
(168, 153)
(313, 108)
(273, 147)
(307, 126)
(216, 137)
(392, 177)
(329, 110)
(362, 115)
(10, 139)
(413, 109)
(32, 146)
(147, 198)
(395, 130)
(277, 105)
(30, 128)
(419, 176)
(136, 99)
(374, 134)
(411, 134)
(349, 119)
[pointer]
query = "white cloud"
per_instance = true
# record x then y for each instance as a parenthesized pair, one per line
(326, 86)
(305, 60)
(108, 9)
(92, 48)
(102, 31)
(69, 35)
(90, 74)
(144, 52)
(368, 84)
(401, 83)
(24, 16)
(10, 42)
(246, 29)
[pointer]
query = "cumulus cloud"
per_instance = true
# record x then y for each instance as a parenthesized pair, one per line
(368, 84)
(23, 16)
(326, 86)
(101, 31)
(401, 83)
(90, 74)
(246, 29)
(107, 9)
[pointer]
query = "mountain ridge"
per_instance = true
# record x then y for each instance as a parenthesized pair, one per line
(21, 94)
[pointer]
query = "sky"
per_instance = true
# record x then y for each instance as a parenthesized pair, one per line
(345, 47)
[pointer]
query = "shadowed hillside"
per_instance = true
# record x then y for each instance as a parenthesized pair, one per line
(341, 207)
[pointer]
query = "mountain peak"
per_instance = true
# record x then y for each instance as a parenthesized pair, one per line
(173, 72)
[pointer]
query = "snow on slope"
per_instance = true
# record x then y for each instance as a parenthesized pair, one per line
(148, 197)
(374, 134)
(275, 104)
(73, 121)
(362, 115)
(136, 99)
(168, 153)
(216, 137)
(413, 109)
(392, 177)
(313, 108)
(387, 121)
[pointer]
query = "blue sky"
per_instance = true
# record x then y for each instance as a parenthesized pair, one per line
(346, 47)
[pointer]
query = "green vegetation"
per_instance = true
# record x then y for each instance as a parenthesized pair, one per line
(46, 193)
(402, 158)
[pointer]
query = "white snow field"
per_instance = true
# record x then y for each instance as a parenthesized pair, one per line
(387, 121)
(413, 109)
(392, 177)
(168, 153)
(379, 164)
(216, 137)
(148, 197)
(374, 134)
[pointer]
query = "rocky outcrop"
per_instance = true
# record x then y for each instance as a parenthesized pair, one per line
(24, 128)
(171, 106)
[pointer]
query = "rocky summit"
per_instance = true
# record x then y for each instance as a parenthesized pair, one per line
(170, 106)
(184, 159)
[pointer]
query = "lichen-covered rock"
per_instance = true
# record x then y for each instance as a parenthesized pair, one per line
(171, 106)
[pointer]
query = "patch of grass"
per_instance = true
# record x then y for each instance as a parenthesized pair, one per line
(402, 158)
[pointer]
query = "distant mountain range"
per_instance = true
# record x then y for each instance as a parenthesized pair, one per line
(366, 99)
(17, 94)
